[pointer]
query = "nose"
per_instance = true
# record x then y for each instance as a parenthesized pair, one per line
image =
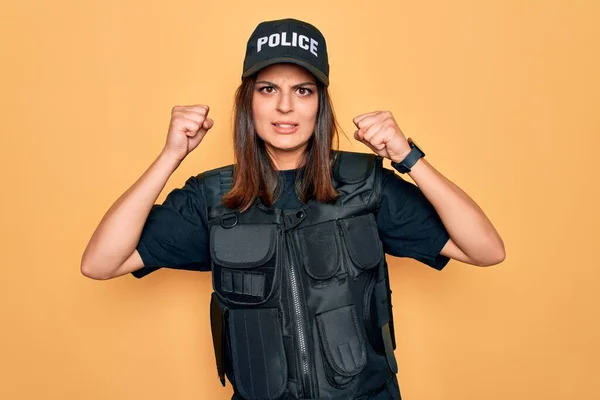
(285, 103)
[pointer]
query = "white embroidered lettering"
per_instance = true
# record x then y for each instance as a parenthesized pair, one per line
(274, 40)
(303, 39)
(281, 39)
(313, 46)
(260, 42)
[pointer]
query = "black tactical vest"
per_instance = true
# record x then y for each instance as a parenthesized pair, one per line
(301, 307)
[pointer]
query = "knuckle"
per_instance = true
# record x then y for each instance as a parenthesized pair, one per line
(201, 109)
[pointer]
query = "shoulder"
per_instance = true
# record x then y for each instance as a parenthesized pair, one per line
(196, 183)
(351, 167)
(401, 193)
(225, 169)
(215, 178)
(213, 183)
(391, 180)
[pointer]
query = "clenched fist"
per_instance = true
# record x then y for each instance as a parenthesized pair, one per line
(187, 128)
(380, 132)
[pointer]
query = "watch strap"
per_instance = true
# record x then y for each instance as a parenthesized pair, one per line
(410, 160)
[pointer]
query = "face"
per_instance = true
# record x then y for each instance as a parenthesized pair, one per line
(285, 94)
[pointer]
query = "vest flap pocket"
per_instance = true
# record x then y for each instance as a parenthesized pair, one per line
(243, 246)
(258, 357)
(362, 239)
(342, 340)
(319, 250)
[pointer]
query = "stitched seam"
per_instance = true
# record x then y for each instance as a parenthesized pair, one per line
(352, 354)
(249, 358)
(342, 355)
(234, 352)
(360, 340)
(281, 350)
(262, 342)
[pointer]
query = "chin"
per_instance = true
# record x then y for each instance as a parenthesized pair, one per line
(286, 142)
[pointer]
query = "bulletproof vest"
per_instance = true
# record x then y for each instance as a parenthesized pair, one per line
(301, 307)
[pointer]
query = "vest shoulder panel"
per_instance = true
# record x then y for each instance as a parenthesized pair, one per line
(356, 176)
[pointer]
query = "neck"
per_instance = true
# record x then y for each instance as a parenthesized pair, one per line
(286, 159)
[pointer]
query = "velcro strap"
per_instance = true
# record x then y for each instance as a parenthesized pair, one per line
(382, 302)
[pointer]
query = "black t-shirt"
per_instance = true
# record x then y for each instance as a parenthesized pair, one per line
(176, 235)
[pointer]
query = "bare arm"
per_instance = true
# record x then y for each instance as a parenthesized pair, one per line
(112, 250)
(473, 238)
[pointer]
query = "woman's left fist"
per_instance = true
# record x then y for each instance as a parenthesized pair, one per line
(380, 132)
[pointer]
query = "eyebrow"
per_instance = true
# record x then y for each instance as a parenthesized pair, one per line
(293, 87)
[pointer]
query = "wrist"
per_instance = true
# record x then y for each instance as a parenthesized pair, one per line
(169, 158)
(400, 157)
(407, 159)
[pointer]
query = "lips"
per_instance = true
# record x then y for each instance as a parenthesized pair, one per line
(285, 124)
(285, 127)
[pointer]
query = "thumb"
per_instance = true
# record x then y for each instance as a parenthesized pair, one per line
(208, 123)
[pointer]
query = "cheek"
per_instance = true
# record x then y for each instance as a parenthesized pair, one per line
(261, 117)
(257, 111)
(308, 110)
(314, 109)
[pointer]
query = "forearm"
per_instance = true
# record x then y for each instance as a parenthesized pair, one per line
(118, 233)
(468, 226)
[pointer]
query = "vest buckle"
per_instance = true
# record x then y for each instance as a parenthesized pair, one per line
(229, 220)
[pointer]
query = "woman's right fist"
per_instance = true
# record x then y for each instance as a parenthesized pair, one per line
(187, 128)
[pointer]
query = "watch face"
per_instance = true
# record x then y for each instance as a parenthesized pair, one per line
(400, 167)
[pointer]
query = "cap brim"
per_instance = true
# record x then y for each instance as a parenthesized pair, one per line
(257, 67)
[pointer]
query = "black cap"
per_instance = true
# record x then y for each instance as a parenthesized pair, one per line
(287, 40)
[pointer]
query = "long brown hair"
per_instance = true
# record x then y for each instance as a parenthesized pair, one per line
(254, 172)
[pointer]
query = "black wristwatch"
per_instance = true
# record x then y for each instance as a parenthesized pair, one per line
(405, 165)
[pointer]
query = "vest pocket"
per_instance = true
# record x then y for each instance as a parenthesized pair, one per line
(342, 345)
(320, 255)
(244, 262)
(258, 357)
(362, 240)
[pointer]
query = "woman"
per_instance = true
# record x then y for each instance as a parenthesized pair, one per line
(295, 233)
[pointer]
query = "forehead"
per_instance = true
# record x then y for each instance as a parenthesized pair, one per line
(283, 72)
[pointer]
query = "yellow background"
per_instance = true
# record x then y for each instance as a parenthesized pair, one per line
(503, 96)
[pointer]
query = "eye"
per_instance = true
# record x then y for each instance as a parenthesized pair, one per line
(262, 89)
(302, 90)
(307, 91)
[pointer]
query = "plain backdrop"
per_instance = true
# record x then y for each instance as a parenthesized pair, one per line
(503, 97)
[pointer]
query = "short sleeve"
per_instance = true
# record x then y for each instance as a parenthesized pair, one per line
(175, 234)
(408, 224)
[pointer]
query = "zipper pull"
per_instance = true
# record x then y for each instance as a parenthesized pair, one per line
(339, 227)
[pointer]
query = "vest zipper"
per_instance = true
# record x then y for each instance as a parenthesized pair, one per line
(299, 323)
